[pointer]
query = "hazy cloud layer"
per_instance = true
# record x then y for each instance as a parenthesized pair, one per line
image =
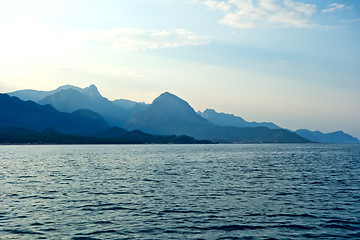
(334, 7)
(268, 13)
(219, 5)
(133, 39)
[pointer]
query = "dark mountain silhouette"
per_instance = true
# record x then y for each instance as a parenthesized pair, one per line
(113, 132)
(168, 114)
(136, 135)
(16, 135)
(248, 135)
(334, 137)
(223, 119)
(69, 98)
(28, 114)
(29, 122)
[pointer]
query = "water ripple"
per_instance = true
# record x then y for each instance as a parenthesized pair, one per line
(180, 192)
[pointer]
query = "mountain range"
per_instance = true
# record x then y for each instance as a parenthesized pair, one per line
(70, 98)
(168, 114)
(15, 112)
(334, 137)
(224, 119)
(64, 108)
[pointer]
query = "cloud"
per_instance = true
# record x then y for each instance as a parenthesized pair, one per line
(266, 13)
(134, 39)
(216, 5)
(334, 7)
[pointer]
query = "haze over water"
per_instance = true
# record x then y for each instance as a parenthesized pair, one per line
(180, 192)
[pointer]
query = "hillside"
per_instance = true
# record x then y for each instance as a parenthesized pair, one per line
(28, 114)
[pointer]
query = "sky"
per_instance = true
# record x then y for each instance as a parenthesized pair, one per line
(292, 62)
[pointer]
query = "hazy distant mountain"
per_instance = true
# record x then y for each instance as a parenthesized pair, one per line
(168, 114)
(127, 104)
(28, 114)
(131, 106)
(70, 98)
(223, 119)
(35, 95)
(334, 137)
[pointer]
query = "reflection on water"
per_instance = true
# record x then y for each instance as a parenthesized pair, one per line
(180, 192)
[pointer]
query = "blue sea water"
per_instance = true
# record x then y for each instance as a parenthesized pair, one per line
(279, 191)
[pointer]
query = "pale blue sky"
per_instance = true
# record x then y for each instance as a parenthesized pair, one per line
(293, 62)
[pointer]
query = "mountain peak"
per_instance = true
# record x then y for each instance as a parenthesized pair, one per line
(92, 86)
(167, 95)
(92, 91)
(66, 87)
(168, 114)
(171, 102)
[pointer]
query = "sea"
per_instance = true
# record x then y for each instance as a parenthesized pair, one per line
(220, 191)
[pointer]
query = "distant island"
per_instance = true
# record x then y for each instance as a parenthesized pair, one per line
(72, 115)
